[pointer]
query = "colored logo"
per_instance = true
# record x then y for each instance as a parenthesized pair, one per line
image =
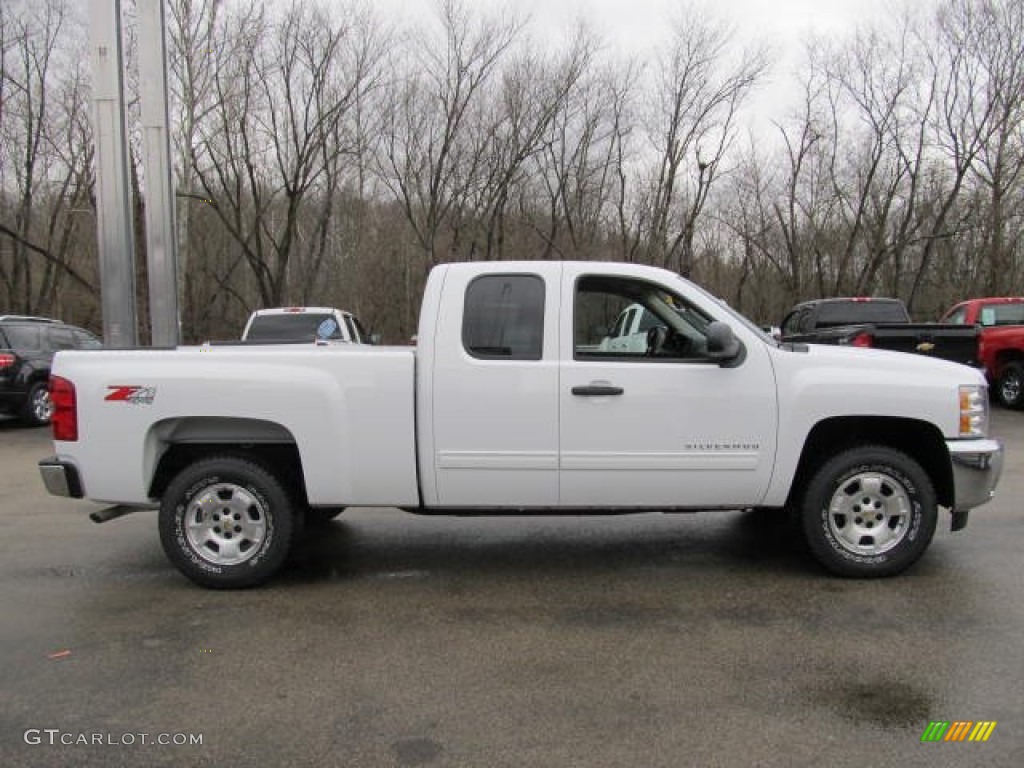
(958, 730)
(131, 394)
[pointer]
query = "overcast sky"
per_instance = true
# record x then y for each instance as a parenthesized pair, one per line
(631, 22)
(634, 26)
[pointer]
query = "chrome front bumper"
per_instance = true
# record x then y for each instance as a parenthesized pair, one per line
(977, 465)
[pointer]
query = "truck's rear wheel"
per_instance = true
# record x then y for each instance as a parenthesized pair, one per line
(1010, 387)
(870, 511)
(226, 522)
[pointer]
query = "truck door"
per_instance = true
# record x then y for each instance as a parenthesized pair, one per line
(663, 426)
(494, 389)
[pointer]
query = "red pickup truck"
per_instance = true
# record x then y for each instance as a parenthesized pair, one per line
(1000, 342)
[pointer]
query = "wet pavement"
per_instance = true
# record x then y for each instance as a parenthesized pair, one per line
(396, 640)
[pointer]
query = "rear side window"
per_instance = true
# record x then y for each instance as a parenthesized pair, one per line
(85, 340)
(61, 338)
(25, 337)
(351, 329)
(361, 335)
(503, 317)
(1004, 314)
(647, 321)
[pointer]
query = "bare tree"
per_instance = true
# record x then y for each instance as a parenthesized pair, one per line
(335, 231)
(576, 173)
(430, 160)
(283, 89)
(961, 124)
(1000, 165)
(514, 128)
(697, 94)
(192, 43)
(45, 155)
(885, 168)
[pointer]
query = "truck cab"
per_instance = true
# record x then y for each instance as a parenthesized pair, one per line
(530, 400)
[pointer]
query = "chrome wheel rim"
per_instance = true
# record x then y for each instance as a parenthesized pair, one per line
(225, 524)
(42, 405)
(869, 513)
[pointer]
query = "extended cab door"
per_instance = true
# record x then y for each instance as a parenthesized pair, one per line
(663, 426)
(488, 398)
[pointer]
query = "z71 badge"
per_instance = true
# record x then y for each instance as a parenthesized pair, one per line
(131, 394)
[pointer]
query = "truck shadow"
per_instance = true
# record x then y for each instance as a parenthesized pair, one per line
(396, 545)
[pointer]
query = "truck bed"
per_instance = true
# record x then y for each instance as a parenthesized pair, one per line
(957, 343)
(353, 402)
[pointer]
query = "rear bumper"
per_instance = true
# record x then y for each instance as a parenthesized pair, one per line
(977, 465)
(61, 477)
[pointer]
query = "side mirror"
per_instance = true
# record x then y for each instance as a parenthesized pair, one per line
(375, 339)
(723, 345)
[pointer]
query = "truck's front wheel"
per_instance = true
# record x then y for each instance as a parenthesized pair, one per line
(869, 511)
(226, 522)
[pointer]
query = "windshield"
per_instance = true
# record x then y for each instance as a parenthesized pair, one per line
(741, 319)
(835, 313)
(299, 326)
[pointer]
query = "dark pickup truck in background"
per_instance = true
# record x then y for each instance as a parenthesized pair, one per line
(881, 324)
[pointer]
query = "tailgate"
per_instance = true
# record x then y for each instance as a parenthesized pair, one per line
(957, 343)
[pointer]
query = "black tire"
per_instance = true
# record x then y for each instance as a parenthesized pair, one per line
(38, 408)
(322, 515)
(260, 516)
(1010, 387)
(869, 512)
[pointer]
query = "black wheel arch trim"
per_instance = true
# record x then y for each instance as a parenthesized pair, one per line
(920, 440)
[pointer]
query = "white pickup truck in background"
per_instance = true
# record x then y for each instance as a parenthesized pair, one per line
(509, 405)
(635, 324)
(321, 324)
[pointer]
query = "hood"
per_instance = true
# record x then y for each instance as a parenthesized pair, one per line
(883, 361)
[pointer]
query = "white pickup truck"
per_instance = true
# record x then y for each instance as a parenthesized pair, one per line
(510, 406)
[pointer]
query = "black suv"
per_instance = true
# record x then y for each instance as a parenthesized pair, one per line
(27, 346)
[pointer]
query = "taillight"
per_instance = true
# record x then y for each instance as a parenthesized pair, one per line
(65, 409)
(863, 339)
(6, 360)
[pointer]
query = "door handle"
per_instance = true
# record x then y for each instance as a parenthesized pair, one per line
(597, 390)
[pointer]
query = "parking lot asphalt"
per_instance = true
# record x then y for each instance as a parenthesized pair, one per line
(396, 640)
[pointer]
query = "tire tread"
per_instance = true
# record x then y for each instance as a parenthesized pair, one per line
(822, 485)
(281, 507)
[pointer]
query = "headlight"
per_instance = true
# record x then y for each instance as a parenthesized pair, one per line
(973, 411)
